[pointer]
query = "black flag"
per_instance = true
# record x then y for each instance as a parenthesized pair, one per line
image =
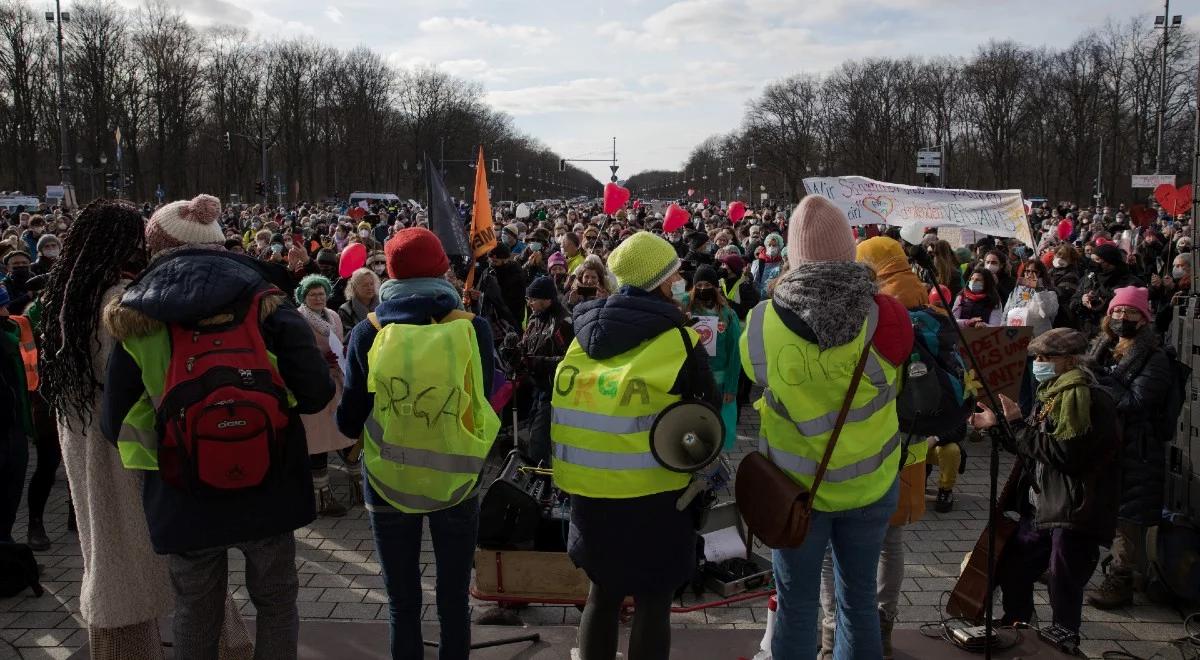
(444, 220)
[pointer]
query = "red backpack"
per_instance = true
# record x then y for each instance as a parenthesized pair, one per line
(223, 418)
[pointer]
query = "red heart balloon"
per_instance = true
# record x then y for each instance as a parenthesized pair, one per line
(353, 258)
(1142, 216)
(691, 191)
(614, 197)
(675, 218)
(737, 211)
(1174, 200)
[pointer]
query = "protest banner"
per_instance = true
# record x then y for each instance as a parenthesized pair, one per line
(865, 201)
(1001, 354)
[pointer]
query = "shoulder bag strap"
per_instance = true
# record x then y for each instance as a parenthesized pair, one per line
(841, 421)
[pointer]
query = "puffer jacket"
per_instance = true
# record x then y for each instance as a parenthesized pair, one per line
(1071, 476)
(1138, 384)
(642, 544)
(186, 286)
(547, 336)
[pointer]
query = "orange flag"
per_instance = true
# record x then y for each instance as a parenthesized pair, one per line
(483, 234)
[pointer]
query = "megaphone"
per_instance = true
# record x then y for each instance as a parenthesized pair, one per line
(687, 436)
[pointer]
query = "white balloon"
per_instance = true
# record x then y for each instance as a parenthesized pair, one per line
(913, 233)
(522, 211)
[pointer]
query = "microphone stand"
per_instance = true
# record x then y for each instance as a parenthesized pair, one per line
(927, 274)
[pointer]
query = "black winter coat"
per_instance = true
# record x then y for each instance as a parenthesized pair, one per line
(1138, 383)
(547, 336)
(511, 279)
(1066, 283)
(1072, 477)
(1103, 284)
(186, 287)
(642, 544)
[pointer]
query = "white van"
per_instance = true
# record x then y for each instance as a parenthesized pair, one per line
(387, 199)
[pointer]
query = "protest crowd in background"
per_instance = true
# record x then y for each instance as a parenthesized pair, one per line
(335, 294)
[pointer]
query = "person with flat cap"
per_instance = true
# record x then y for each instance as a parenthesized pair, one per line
(1070, 448)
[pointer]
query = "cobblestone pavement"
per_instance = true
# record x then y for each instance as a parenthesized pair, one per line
(340, 578)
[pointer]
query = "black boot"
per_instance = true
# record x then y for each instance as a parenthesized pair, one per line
(37, 535)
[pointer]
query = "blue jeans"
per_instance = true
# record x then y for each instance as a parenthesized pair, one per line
(856, 537)
(398, 540)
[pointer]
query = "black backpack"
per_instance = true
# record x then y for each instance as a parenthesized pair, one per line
(18, 570)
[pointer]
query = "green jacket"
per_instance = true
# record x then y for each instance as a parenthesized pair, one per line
(15, 395)
(726, 365)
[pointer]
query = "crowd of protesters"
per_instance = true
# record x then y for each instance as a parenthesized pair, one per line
(93, 291)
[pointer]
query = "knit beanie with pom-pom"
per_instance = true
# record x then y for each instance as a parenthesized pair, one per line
(188, 222)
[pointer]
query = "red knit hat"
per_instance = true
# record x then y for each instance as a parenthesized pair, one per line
(415, 252)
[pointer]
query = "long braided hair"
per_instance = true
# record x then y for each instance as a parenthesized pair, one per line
(106, 239)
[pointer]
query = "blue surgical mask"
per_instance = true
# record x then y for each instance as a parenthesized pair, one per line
(1044, 371)
(976, 287)
(536, 246)
(679, 290)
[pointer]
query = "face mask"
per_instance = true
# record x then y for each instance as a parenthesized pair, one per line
(976, 287)
(994, 268)
(326, 269)
(536, 246)
(1178, 273)
(1125, 328)
(509, 240)
(51, 253)
(706, 296)
(772, 252)
(364, 233)
(379, 269)
(1059, 262)
(679, 290)
(1043, 371)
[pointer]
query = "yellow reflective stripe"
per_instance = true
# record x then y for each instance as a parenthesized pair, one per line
(423, 458)
(616, 424)
(604, 460)
(419, 503)
(755, 342)
(138, 448)
(808, 467)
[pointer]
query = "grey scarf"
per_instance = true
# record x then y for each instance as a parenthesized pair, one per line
(832, 297)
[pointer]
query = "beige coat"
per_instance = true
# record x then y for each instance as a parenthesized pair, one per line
(321, 429)
(124, 581)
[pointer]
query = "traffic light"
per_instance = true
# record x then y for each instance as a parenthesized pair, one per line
(228, 144)
(260, 189)
(562, 164)
(110, 180)
(128, 182)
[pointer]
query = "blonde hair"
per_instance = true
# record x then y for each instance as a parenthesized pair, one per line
(357, 278)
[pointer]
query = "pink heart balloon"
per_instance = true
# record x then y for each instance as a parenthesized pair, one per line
(614, 197)
(675, 218)
(353, 258)
(737, 211)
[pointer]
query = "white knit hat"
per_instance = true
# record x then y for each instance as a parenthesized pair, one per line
(189, 222)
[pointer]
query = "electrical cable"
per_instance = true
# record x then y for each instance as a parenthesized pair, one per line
(942, 630)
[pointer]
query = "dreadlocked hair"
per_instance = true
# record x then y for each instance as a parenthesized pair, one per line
(103, 241)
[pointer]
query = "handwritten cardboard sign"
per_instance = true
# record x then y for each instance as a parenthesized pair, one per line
(1000, 353)
(869, 202)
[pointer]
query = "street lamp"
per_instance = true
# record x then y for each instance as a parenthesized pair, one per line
(1159, 22)
(58, 17)
(750, 167)
(91, 172)
(729, 169)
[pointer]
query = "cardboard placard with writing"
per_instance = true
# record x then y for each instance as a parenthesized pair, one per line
(1001, 355)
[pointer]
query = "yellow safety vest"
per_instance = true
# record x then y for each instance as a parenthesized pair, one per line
(734, 293)
(804, 388)
(431, 427)
(602, 414)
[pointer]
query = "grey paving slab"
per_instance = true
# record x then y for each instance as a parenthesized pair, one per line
(340, 578)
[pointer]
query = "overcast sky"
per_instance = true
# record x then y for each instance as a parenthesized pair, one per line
(660, 76)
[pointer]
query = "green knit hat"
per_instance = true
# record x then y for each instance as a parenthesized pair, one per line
(309, 282)
(643, 261)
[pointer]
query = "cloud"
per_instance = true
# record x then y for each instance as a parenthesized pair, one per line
(521, 35)
(333, 14)
(581, 95)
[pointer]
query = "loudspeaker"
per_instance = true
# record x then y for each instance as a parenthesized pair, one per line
(687, 436)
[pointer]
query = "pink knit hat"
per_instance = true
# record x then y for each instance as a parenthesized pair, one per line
(818, 231)
(1132, 296)
(188, 222)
